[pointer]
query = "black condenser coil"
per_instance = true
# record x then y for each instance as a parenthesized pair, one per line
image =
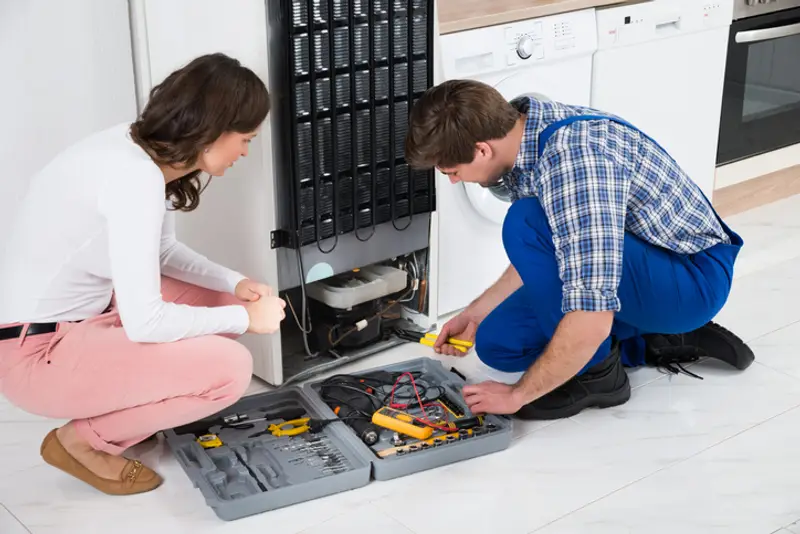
(344, 75)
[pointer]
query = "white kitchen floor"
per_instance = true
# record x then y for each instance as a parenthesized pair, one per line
(717, 455)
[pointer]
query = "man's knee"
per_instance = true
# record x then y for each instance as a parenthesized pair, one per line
(526, 226)
(484, 340)
(490, 349)
(525, 213)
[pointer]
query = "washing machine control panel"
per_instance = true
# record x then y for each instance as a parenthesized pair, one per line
(525, 41)
(519, 44)
(540, 39)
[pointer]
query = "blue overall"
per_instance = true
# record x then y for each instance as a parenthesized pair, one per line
(660, 291)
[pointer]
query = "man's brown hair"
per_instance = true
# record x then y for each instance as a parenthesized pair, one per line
(212, 95)
(450, 118)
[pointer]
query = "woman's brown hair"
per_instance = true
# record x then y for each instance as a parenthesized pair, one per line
(192, 108)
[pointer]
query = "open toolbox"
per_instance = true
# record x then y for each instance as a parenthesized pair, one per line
(296, 444)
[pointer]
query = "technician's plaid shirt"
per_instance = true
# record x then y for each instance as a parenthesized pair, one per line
(595, 181)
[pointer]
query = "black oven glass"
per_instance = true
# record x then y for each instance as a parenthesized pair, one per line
(761, 99)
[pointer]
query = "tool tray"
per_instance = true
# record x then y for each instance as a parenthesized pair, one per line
(494, 435)
(248, 475)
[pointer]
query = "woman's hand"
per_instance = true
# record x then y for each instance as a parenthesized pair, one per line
(266, 314)
(250, 291)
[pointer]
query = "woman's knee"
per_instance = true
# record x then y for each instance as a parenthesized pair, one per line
(231, 361)
(241, 365)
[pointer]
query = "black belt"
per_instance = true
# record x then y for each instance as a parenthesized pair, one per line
(13, 332)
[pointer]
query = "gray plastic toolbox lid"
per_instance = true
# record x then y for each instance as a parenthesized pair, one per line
(253, 472)
(249, 475)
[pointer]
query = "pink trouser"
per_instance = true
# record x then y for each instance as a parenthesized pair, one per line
(117, 392)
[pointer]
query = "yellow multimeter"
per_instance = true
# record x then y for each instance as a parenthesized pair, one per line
(400, 422)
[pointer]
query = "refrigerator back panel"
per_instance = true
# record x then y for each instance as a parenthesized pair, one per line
(352, 67)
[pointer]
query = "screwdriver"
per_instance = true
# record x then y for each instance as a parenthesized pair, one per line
(242, 421)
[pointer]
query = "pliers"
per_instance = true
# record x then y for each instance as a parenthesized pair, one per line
(295, 427)
(240, 421)
(429, 339)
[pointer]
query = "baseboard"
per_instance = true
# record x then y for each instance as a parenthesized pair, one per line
(757, 166)
(757, 192)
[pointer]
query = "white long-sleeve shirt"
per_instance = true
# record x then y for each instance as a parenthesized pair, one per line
(95, 221)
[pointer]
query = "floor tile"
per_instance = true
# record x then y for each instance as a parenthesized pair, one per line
(763, 302)
(11, 414)
(49, 502)
(19, 448)
(561, 468)
(771, 235)
(641, 376)
(367, 519)
(9, 524)
(747, 484)
(780, 350)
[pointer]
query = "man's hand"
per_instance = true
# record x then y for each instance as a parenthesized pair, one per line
(576, 340)
(492, 398)
(463, 326)
(250, 291)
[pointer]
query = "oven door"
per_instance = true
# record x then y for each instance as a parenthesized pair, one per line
(761, 98)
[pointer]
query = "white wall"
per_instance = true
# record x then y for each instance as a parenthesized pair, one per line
(168, 35)
(66, 72)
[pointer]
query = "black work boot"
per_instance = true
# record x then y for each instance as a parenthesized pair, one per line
(670, 351)
(602, 386)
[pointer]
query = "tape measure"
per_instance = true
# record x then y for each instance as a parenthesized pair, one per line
(209, 441)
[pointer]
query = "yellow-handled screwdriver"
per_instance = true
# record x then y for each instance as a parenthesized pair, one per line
(452, 341)
(429, 340)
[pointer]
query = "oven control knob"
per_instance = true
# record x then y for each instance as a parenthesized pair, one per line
(525, 47)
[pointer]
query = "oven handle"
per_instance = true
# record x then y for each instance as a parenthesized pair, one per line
(755, 36)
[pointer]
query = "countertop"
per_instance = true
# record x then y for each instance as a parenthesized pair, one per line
(459, 15)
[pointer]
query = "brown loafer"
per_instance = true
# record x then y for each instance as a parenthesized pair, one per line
(135, 477)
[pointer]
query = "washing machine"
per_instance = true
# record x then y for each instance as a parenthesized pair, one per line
(549, 57)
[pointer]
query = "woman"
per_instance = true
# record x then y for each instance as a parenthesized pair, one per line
(98, 220)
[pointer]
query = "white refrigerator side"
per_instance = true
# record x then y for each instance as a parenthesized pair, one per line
(433, 246)
(236, 214)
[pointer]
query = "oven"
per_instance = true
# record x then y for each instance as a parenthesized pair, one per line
(761, 95)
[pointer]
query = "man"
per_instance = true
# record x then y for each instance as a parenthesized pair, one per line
(617, 258)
